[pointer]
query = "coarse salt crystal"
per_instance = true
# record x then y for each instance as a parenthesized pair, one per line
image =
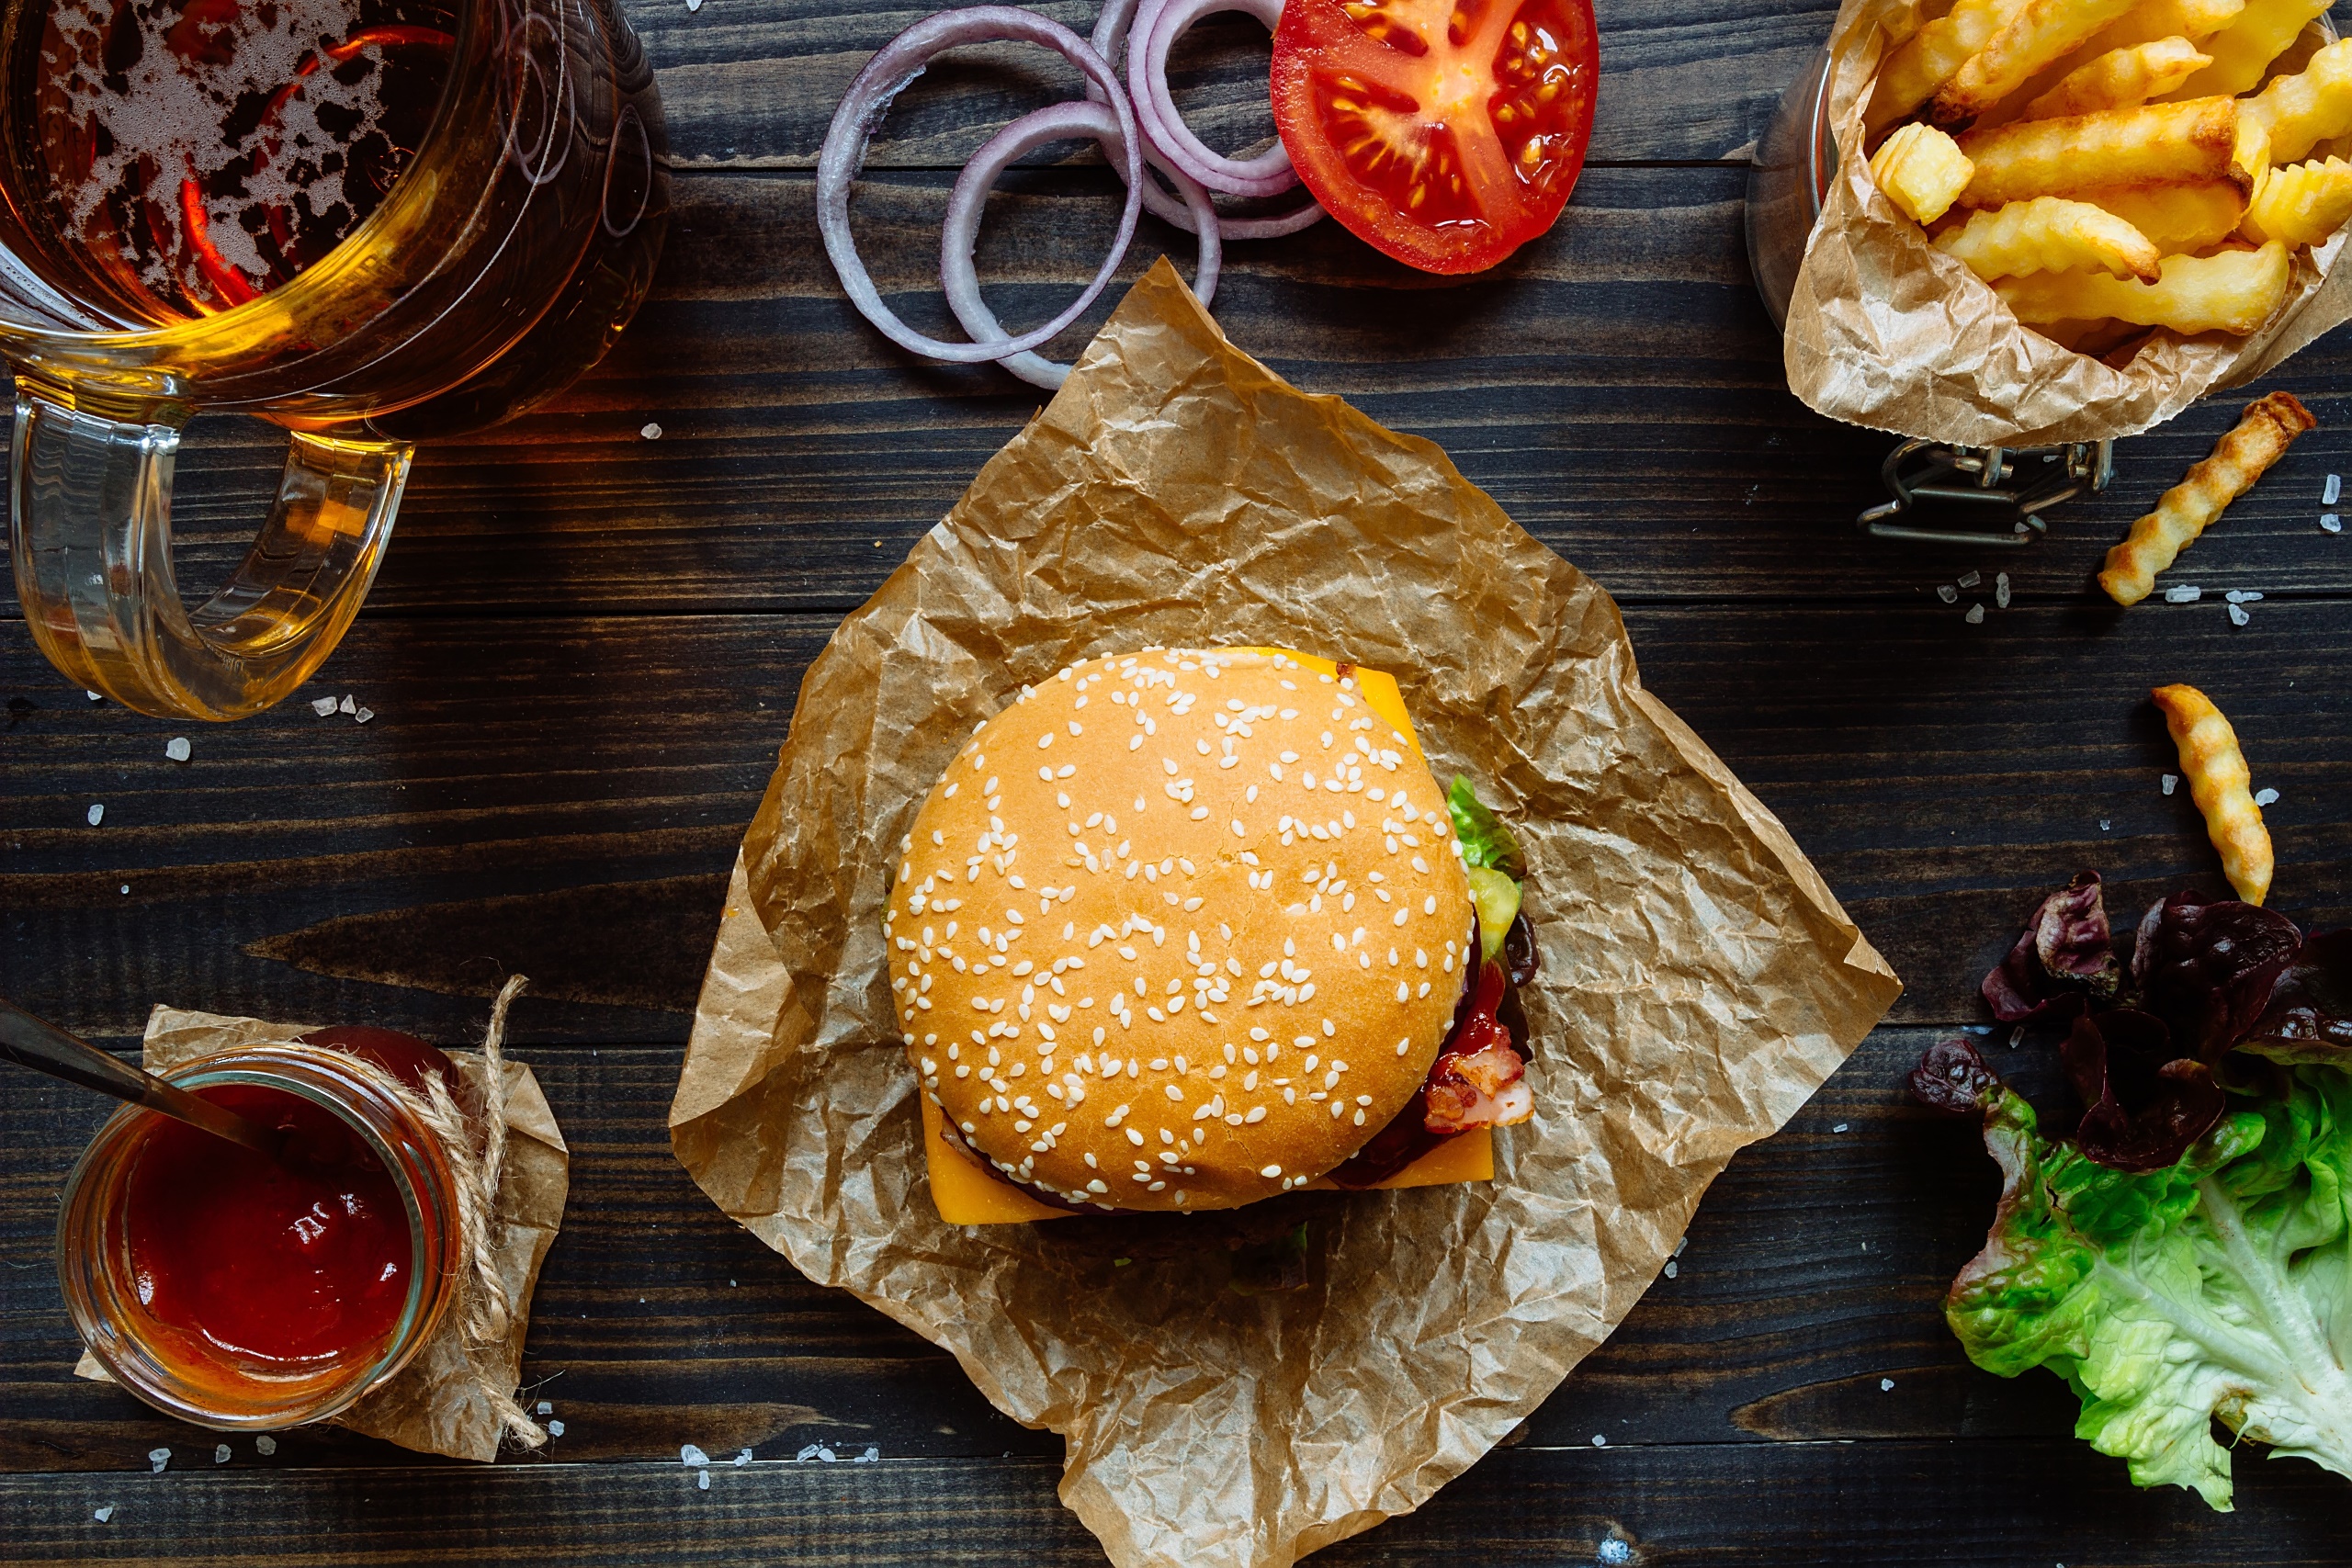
(220, 1454)
(1614, 1552)
(651, 431)
(1672, 1268)
(177, 749)
(2240, 596)
(743, 1458)
(349, 703)
(97, 814)
(1886, 1385)
(2238, 616)
(545, 1407)
(2184, 593)
(1600, 1439)
(694, 5)
(323, 706)
(555, 1429)
(265, 1444)
(690, 1455)
(2266, 797)
(1972, 580)
(702, 1480)
(1947, 592)
(1975, 616)
(2001, 590)
(158, 1460)
(2331, 523)
(1839, 1128)
(1680, 1244)
(93, 696)
(871, 1456)
(2171, 783)
(2333, 491)
(363, 716)
(2105, 826)
(805, 1454)
(103, 1515)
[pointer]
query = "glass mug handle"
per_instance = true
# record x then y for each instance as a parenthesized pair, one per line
(91, 517)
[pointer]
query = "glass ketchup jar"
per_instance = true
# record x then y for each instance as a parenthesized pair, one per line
(242, 1294)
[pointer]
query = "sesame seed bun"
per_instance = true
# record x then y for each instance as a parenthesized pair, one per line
(1178, 930)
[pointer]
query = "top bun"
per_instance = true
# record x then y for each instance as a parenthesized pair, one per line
(1179, 929)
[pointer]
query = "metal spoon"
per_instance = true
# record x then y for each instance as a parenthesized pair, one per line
(45, 1048)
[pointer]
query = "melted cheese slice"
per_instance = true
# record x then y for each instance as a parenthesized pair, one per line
(967, 1193)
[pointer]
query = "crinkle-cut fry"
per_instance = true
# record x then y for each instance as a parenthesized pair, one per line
(1925, 62)
(2155, 144)
(1922, 171)
(2234, 291)
(2122, 79)
(2214, 765)
(2302, 204)
(2244, 50)
(2153, 19)
(2309, 106)
(2051, 235)
(2178, 220)
(2259, 438)
(2042, 33)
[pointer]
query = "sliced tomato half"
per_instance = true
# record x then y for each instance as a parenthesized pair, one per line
(1447, 133)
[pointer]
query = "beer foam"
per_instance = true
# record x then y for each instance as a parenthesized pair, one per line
(193, 105)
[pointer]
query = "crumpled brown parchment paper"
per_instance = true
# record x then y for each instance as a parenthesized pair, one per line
(1884, 329)
(1699, 980)
(434, 1405)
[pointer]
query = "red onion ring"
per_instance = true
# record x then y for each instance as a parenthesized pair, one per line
(1060, 122)
(895, 65)
(1157, 28)
(1112, 34)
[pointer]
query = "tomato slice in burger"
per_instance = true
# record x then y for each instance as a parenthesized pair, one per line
(1447, 133)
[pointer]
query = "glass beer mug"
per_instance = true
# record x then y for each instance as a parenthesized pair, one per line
(369, 221)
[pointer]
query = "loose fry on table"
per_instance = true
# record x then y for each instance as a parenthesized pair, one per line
(2244, 50)
(2156, 144)
(2051, 235)
(1922, 171)
(2177, 220)
(2233, 292)
(2259, 439)
(2302, 204)
(2214, 765)
(2122, 79)
(2153, 19)
(1926, 61)
(2039, 34)
(2305, 108)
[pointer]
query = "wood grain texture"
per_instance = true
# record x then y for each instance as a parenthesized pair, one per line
(2002, 1506)
(754, 87)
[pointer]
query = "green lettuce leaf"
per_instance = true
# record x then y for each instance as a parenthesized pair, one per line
(2221, 1286)
(1484, 841)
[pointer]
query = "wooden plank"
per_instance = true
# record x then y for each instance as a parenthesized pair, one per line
(1618, 389)
(1989, 1505)
(563, 797)
(1815, 1269)
(754, 86)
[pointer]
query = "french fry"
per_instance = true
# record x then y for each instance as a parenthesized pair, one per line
(2051, 235)
(2303, 109)
(2155, 144)
(2259, 439)
(2244, 50)
(2215, 767)
(2040, 33)
(2122, 79)
(2302, 204)
(1926, 61)
(2234, 291)
(2177, 220)
(2153, 19)
(1922, 171)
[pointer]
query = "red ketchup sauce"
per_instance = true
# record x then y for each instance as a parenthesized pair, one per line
(288, 1263)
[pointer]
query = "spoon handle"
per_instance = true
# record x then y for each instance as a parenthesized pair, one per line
(33, 1043)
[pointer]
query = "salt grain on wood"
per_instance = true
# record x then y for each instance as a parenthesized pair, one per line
(651, 431)
(692, 1456)
(555, 1429)
(220, 1454)
(323, 706)
(177, 749)
(1886, 1385)
(2238, 616)
(2001, 590)
(1972, 580)
(2330, 522)
(103, 1515)
(1975, 616)
(1947, 592)
(2183, 593)
(158, 1460)
(93, 696)
(2333, 491)
(2266, 797)
(97, 815)
(266, 1444)
(2171, 783)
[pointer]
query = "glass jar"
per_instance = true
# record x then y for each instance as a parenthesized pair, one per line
(184, 1374)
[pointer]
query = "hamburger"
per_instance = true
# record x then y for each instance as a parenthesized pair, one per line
(1182, 930)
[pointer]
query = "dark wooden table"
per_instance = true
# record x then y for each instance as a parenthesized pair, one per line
(581, 658)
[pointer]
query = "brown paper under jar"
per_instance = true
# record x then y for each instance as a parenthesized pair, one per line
(1699, 980)
(440, 1403)
(1884, 329)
